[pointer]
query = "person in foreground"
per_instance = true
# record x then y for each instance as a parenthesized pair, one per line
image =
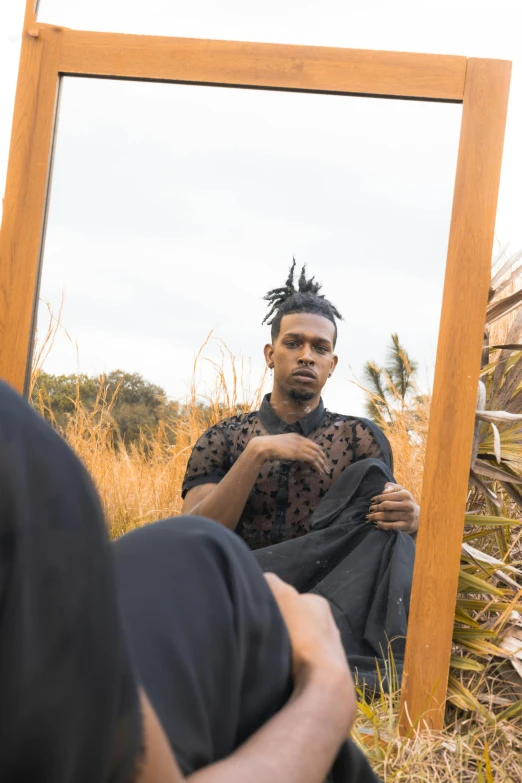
(299, 483)
(167, 656)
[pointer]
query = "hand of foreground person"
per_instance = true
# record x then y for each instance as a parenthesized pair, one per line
(395, 509)
(291, 447)
(299, 744)
(316, 641)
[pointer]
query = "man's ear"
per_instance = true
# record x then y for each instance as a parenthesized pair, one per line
(269, 355)
(335, 360)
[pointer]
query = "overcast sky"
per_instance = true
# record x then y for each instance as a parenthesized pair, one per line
(174, 208)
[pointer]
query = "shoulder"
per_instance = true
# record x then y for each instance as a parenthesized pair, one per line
(360, 429)
(346, 422)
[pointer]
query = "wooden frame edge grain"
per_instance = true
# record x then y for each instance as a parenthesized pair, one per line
(269, 66)
(25, 197)
(48, 52)
(452, 416)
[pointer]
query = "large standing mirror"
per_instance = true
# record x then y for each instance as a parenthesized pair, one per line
(174, 208)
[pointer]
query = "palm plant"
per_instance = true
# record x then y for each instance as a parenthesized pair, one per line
(488, 629)
(390, 388)
(490, 584)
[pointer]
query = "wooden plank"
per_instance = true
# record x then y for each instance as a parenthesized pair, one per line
(25, 197)
(31, 8)
(277, 66)
(448, 456)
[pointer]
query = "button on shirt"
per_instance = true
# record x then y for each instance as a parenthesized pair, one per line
(285, 494)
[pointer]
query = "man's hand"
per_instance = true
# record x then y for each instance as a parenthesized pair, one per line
(317, 650)
(291, 448)
(395, 509)
(226, 500)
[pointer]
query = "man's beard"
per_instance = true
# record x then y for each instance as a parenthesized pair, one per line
(301, 396)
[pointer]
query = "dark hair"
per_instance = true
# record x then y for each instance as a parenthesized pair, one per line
(306, 299)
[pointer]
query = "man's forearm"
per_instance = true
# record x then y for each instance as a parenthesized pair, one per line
(226, 501)
(298, 745)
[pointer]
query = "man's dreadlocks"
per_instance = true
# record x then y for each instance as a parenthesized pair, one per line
(306, 299)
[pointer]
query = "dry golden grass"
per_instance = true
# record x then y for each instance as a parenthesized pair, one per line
(481, 754)
(142, 483)
(473, 749)
(408, 435)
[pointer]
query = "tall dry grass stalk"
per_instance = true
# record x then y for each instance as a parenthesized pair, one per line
(44, 343)
(405, 425)
(407, 433)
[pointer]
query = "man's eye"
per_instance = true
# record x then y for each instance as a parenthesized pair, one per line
(291, 344)
(322, 349)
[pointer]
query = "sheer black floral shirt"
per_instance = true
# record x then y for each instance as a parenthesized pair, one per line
(285, 494)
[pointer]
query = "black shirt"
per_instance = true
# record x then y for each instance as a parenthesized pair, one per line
(285, 494)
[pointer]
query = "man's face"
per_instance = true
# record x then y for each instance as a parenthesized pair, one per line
(302, 355)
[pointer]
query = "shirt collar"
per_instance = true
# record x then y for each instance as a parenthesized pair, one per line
(276, 426)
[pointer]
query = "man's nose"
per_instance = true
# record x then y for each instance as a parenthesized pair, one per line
(306, 356)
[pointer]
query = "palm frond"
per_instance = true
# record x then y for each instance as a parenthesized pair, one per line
(400, 367)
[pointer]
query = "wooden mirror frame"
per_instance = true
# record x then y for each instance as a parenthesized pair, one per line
(482, 86)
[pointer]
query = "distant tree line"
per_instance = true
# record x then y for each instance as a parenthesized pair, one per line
(136, 405)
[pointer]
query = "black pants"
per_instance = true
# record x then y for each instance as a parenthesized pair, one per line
(209, 642)
(365, 573)
(200, 631)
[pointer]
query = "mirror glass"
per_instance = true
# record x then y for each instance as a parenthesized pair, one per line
(173, 210)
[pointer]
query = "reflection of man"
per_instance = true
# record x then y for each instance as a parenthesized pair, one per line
(264, 474)
(300, 484)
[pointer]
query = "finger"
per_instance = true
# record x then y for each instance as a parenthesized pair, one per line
(317, 449)
(274, 581)
(324, 467)
(319, 466)
(393, 493)
(402, 527)
(394, 498)
(316, 465)
(317, 461)
(279, 588)
(391, 487)
(315, 446)
(391, 505)
(388, 516)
